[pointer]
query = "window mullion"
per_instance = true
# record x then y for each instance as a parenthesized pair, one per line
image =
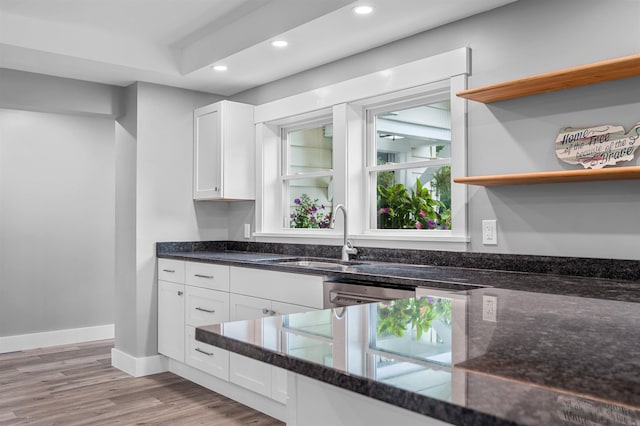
(413, 165)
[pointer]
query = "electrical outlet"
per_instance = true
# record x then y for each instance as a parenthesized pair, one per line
(247, 230)
(489, 232)
(490, 308)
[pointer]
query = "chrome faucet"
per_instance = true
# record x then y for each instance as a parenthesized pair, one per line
(347, 248)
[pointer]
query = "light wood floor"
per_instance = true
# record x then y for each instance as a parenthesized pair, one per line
(76, 385)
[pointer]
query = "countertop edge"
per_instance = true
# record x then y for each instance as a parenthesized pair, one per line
(424, 405)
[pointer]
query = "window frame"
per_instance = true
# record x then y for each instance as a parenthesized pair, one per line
(286, 177)
(425, 95)
(347, 101)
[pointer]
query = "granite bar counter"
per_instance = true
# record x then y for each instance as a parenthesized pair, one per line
(547, 359)
(560, 346)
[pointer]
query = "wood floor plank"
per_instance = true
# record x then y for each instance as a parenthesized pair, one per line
(76, 385)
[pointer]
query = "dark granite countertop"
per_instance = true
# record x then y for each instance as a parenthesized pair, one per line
(547, 360)
(564, 349)
(412, 275)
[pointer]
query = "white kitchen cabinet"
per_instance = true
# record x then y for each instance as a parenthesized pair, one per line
(182, 307)
(247, 307)
(297, 289)
(249, 373)
(192, 294)
(171, 270)
(224, 152)
(205, 307)
(171, 319)
(208, 358)
(207, 275)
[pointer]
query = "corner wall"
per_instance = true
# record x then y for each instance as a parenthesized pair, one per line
(155, 203)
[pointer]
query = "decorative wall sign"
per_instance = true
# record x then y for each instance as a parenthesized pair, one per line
(597, 147)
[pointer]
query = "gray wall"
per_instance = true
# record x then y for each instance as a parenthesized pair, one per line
(56, 222)
(524, 38)
(154, 145)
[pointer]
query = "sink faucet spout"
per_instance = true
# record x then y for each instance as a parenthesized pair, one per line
(347, 248)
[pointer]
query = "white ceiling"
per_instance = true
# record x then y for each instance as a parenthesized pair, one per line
(176, 42)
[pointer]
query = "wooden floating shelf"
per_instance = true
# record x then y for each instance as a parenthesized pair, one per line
(563, 176)
(626, 66)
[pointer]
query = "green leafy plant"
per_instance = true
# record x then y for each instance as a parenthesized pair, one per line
(441, 184)
(399, 208)
(309, 214)
(398, 316)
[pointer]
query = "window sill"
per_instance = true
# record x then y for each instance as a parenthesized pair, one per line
(436, 240)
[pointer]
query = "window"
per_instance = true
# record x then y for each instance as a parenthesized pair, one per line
(409, 164)
(357, 141)
(307, 175)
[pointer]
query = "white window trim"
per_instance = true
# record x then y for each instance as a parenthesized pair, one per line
(348, 118)
(285, 177)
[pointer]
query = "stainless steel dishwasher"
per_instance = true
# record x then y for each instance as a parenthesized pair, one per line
(339, 293)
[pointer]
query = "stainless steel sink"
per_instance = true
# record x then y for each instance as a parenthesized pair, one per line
(320, 263)
(312, 263)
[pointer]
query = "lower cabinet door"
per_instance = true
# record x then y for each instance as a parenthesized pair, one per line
(279, 384)
(171, 320)
(207, 358)
(250, 374)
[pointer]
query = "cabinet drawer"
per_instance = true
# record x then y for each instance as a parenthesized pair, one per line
(251, 374)
(207, 275)
(285, 287)
(205, 306)
(207, 358)
(171, 270)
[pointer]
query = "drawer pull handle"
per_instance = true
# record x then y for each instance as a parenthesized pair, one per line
(209, 311)
(180, 293)
(171, 271)
(204, 352)
(204, 276)
(268, 312)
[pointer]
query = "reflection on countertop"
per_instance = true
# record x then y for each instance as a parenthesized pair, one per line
(547, 359)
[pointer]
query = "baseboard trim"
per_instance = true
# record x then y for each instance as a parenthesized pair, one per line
(138, 367)
(23, 342)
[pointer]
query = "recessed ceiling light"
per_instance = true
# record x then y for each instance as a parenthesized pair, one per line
(362, 10)
(279, 43)
(220, 68)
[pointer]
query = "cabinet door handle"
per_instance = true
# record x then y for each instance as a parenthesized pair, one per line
(180, 293)
(204, 352)
(215, 189)
(209, 311)
(268, 312)
(204, 276)
(171, 271)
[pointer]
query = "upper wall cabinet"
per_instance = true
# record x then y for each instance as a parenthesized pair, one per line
(224, 152)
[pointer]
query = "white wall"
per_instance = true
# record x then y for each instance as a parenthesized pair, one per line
(56, 222)
(520, 39)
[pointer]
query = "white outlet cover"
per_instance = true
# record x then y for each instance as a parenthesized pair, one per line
(489, 232)
(490, 308)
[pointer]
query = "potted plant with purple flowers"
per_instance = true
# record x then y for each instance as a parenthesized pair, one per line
(309, 213)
